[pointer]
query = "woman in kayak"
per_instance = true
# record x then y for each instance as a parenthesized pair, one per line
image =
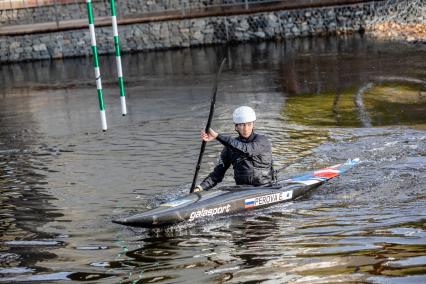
(250, 153)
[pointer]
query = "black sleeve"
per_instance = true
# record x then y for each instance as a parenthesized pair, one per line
(258, 146)
(219, 171)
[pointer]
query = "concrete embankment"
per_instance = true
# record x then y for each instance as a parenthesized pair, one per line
(172, 29)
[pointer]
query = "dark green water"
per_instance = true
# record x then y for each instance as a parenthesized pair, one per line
(321, 101)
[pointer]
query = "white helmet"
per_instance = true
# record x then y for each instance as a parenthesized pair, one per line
(243, 114)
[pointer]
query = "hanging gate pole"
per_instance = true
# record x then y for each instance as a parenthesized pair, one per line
(118, 58)
(96, 64)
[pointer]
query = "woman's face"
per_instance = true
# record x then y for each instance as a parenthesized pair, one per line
(245, 129)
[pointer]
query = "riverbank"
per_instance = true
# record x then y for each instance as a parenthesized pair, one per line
(197, 27)
(412, 33)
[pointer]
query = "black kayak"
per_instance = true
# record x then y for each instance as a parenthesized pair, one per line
(232, 199)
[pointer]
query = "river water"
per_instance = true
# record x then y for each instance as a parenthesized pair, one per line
(321, 101)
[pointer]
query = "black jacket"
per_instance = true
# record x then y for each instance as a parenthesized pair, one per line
(251, 159)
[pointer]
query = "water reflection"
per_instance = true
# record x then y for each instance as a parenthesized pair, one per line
(24, 204)
(370, 105)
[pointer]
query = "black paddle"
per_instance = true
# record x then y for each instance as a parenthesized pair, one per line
(209, 121)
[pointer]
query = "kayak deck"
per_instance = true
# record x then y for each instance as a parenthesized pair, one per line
(232, 199)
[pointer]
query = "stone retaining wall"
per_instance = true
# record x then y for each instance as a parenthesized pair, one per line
(101, 8)
(193, 32)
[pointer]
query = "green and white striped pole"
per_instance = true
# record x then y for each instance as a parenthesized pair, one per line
(118, 59)
(96, 64)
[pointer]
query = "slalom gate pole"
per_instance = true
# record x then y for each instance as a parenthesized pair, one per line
(118, 58)
(96, 64)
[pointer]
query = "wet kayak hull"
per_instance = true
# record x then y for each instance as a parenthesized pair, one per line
(232, 199)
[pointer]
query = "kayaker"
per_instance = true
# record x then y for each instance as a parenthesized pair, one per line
(250, 153)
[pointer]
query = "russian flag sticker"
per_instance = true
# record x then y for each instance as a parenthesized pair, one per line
(249, 203)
